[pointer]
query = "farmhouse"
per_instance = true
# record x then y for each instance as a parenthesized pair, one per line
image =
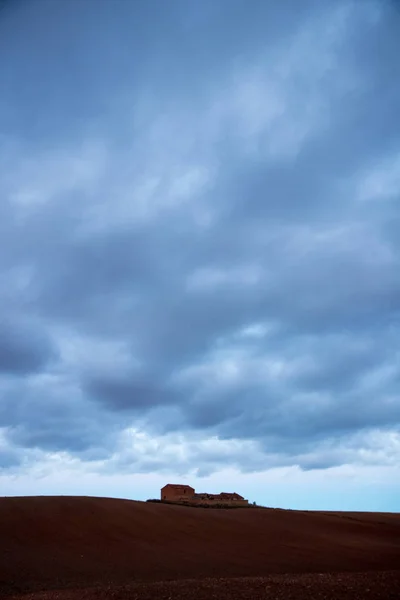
(174, 492)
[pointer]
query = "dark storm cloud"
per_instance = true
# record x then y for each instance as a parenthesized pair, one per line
(48, 413)
(128, 393)
(221, 171)
(23, 348)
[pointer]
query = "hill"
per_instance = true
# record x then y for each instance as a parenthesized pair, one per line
(67, 542)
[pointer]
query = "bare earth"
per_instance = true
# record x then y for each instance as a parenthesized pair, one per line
(85, 548)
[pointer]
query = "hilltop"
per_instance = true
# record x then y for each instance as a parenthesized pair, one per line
(75, 542)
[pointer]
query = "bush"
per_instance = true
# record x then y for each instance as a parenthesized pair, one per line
(199, 504)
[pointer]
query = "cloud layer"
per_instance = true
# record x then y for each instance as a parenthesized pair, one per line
(199, 234)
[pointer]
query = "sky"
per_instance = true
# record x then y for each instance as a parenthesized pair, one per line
(200, 249)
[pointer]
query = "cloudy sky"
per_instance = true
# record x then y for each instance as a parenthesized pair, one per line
(200, 249)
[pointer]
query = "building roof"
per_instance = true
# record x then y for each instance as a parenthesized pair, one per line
(178, 485)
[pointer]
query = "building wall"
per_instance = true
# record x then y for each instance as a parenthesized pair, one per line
(176, 493)
(216, 501)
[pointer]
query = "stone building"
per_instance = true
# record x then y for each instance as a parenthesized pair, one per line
(173, 492)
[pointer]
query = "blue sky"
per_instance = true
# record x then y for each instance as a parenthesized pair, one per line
(200, 249)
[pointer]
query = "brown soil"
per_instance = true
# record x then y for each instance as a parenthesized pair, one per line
(106, 548)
